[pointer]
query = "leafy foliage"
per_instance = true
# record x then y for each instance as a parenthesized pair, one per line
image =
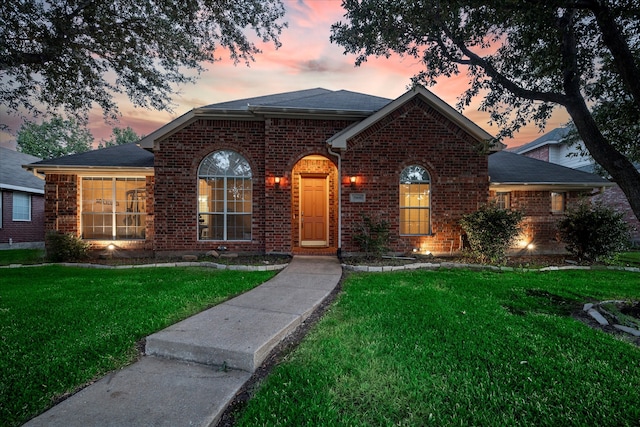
(67, 55)
(120, 136)
(523, 60)
(491, 231)
(372, 234)
(54, 138)
(593, 232)
(63, 247)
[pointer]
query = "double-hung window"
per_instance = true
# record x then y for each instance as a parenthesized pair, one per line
(21, 207)
(415, 201)
(113, 208)
(224, 197)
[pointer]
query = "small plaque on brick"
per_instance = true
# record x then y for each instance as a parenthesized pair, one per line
(357, 197)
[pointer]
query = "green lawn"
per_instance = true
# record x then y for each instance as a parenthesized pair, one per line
(61, 327)
(459, 348)
(21, 256)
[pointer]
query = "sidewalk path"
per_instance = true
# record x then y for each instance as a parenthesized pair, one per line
(192, 370)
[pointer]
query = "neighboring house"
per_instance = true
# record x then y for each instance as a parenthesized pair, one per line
(295, 173)
(21, 202)
(550, 148)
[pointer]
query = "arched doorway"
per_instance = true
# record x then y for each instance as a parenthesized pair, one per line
(314, 205)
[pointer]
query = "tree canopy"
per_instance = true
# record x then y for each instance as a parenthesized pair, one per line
(65, 55)
(523, 58)
(120, 136)
(54, 138)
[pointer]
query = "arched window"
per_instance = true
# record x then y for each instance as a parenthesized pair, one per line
(415, 201)
(224, 197)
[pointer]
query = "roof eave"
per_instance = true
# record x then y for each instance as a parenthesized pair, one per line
(536, 186)
(79, 169)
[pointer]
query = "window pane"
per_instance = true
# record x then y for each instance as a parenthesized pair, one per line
(224, 189)
(557, 202)
(415, 201)
(104, 200)
(21, 207)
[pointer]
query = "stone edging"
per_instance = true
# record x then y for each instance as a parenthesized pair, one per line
(452, 265)
(274, 267)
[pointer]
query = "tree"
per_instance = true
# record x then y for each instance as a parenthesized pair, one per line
(53, 138)
(66, 55)
(120, 136)
(523, 58)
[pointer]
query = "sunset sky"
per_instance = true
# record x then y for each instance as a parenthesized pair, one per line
(306, 60)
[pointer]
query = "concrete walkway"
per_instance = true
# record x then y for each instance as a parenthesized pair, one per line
(192, 370)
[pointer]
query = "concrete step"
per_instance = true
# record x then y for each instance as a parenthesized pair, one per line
(240, 333)
(151, 392)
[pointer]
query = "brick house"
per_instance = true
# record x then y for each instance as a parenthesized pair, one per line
(550, 147)
(21, 202)
(290, 173)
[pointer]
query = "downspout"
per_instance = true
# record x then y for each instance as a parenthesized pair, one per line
(339, 198)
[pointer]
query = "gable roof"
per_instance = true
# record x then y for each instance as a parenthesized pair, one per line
(514, 171)
(339, 140)
(120, 157)
(552, 137)
(316, 102)
(13, 177)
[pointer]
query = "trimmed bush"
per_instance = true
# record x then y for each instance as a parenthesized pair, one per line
(491, 231)
(63, 247)
(372, 234)
(593, 232)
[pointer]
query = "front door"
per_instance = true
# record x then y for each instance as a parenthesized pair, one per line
(313, 211)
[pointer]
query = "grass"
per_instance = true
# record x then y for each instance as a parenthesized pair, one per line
(21, 256)
(458, 348)
(627, 259)
(61, 327)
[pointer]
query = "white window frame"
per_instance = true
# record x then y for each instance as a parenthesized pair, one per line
(503, 200)
(407, 178)
(563, 197)
(16, 197)
(237, 169)
(114, 211)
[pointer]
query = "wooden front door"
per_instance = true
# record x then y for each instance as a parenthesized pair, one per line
(313, 211)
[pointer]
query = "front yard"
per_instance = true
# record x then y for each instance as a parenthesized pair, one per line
(459, 348)
(61, 327)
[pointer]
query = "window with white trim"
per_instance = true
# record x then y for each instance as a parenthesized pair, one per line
(415, 201)
(558, 201)
(224, 197)
(21, 206)
(503, 200)
(113, 208)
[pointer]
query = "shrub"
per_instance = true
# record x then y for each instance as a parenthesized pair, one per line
(372, 234)
(592, 232)
(491, 230)
(63, 247)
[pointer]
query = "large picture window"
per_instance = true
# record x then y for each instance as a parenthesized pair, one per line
(113, 208)
(224, 197)
(415, 201)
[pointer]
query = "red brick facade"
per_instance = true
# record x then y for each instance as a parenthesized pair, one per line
(286, 152)
(21, 231)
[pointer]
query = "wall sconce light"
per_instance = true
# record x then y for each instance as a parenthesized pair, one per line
(352, 180)
(111, 246)
(276, 180)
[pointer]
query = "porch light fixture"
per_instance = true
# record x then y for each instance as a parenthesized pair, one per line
(111, 246)
(352, 180)
(276, 180)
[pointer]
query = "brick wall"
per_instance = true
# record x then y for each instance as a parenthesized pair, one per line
(540, 153)
(616, 199)
(22, 231)
(415, 134)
